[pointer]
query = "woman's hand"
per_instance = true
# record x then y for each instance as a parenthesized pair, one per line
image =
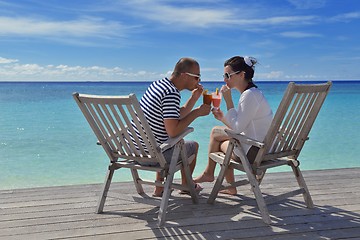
(218, 114)
(226, 92)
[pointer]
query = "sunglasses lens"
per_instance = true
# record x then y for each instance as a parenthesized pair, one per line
(226, 75)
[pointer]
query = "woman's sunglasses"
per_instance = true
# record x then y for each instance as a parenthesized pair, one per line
(228, 75)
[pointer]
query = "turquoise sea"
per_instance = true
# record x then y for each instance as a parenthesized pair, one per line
(45, 140)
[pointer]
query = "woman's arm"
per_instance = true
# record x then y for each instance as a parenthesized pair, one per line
(240, 118)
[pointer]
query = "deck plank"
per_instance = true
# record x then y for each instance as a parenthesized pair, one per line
(67, 212)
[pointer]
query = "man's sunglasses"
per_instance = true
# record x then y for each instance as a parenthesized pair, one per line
(198, 77)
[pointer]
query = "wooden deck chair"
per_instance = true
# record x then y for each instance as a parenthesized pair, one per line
(112, 118)
(282, 145)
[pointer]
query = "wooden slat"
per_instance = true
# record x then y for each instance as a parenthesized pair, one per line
(142, 133)
(118, 128)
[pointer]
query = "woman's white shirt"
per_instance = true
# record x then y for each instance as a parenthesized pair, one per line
(252, 117)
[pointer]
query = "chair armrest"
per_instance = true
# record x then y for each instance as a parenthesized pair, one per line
(172, 141)
(244, 139)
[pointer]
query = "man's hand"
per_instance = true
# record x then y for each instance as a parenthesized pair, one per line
(204, 109)
(197, 92)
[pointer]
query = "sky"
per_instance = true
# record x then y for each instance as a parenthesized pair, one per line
(141, 40)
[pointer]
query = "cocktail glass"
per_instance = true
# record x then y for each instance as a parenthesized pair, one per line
(207, 98)
(216, 100)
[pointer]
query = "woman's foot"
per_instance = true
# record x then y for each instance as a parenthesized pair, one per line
(229, 191)
(204, 178)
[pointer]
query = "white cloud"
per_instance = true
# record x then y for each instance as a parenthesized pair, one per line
(282, 20)
(308, 4)
(295, 34)
(183, 16)
(36, 72)
(346, 17)
(7, 60)
(304, 77)
(207, 16)
(78, 28)
(275, 75)
(280, 75)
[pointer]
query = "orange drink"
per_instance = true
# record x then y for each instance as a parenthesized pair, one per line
(207, 97)
(216, 99)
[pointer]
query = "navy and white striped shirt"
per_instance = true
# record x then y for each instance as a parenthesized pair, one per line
(160, 101)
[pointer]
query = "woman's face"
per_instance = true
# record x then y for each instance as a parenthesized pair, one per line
(230, 81)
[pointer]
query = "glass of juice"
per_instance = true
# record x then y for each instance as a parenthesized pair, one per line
(216, 99)
(207, 97)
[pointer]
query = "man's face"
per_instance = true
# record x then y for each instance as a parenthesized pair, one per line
(193, 78)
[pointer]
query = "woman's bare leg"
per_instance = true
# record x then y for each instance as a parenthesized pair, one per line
(217, 137)
(229, 174)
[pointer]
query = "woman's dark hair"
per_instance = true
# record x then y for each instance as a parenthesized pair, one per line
(245, 64)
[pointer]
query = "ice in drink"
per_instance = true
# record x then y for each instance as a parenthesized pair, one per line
(207, 97)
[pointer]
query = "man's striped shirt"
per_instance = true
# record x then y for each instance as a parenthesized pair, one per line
(160, 101)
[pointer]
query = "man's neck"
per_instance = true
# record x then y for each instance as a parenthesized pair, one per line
(177, 82)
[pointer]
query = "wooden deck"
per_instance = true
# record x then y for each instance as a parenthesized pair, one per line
(68, 212)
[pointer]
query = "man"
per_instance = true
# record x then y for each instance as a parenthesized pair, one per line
(161, 106)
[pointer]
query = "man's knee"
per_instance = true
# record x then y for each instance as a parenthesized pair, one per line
(196, 146)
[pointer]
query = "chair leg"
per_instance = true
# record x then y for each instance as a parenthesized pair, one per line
(259, 197)
(300, 179)
(104, 192)
(218, 184)
(189, 180)
(168, 183)
(220, 178)
(260, 176)
(255, 187)
(135, 176)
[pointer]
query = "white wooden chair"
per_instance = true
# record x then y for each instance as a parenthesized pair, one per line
(282, 145)
(112, 119)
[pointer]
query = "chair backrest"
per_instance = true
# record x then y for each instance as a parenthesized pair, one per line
(121, 127)
(293, 120)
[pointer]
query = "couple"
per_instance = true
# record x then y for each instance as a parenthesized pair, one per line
(161, 106)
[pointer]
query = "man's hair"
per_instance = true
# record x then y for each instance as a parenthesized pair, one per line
(184, 65)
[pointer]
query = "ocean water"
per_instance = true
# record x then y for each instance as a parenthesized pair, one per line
(46, 141)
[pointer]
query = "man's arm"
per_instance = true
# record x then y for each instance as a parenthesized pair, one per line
(175, 126)
(190, 103)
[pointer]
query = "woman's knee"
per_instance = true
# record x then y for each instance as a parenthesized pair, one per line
(217, 130)
(218, 134)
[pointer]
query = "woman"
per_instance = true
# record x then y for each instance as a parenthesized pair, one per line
(252, 117)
